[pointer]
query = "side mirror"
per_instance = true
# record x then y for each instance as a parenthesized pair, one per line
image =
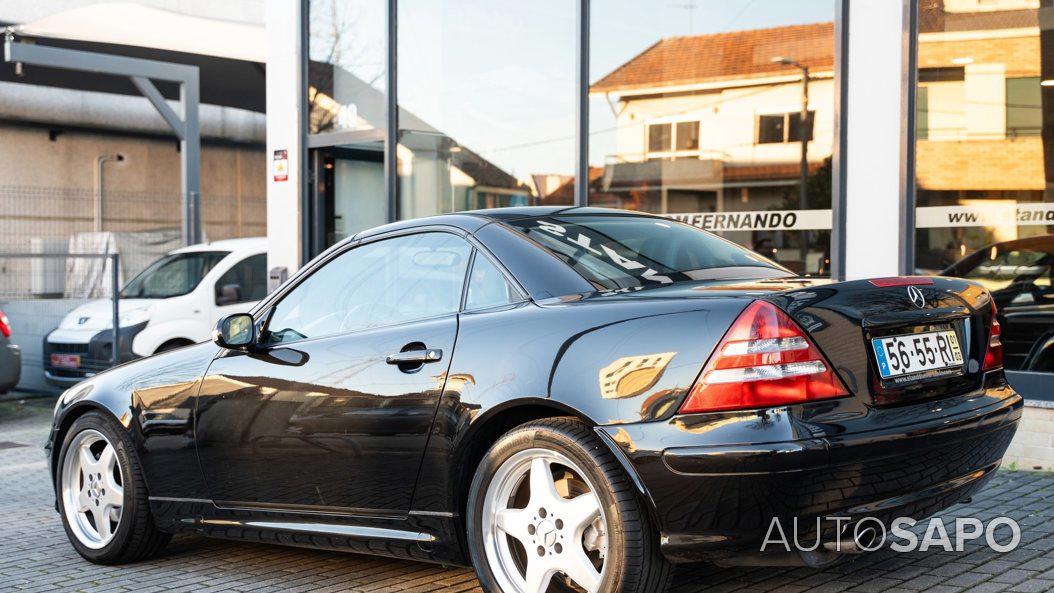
(229, 294)
(235, 332)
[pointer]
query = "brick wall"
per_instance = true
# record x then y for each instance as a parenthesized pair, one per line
(1020, 54)
(1010, 164)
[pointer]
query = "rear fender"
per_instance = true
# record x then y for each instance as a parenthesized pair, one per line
(639, 369)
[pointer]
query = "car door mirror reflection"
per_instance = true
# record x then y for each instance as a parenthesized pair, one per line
(229, 294)
(235, 332)
(284, 356)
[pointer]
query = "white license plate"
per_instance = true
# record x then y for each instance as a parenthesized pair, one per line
(915, 353)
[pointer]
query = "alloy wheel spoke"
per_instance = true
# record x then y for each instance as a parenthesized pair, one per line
(87, 458)
(581, 511)
(513, 522)
(109, 482)
(550, 528)
(539, 575)
(112, 498)
(102, 522)
(107, 460)
(580, 569)
(84, 503)
(543, 488)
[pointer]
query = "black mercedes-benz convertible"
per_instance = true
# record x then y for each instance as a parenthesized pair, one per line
(566, 399)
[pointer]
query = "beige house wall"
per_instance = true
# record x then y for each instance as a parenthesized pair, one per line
(967, 146)
(47, 187)
(728, 122)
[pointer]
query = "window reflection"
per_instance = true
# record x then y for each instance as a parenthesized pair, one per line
(486, 104)
(984, 160)
(346, 71)
(696, 110)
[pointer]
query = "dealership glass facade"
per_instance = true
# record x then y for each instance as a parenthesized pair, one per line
(693, 110)
(486, 97)
(984, 161)
(723, 114)
(696, 111)
(345, 100)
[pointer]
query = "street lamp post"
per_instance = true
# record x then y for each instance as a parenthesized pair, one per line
(803, 137)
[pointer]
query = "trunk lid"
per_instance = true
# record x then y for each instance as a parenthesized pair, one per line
(851, 321)
(844, 318)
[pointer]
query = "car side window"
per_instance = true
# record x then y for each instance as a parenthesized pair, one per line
(245, 282)
(1016, 269)
(487, 286)
(381, 283)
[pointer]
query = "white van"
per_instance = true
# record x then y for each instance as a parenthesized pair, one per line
(174, 302)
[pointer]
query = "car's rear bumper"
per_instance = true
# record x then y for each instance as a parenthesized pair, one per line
(10, 366)
(713, 499)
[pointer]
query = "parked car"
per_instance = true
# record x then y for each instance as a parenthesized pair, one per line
(575, 395)
(1020, 275)
(10, 357)
(173, 302)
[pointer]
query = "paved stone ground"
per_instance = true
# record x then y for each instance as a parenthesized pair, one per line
(35, 555)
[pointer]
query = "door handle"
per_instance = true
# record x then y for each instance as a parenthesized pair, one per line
(415, 356)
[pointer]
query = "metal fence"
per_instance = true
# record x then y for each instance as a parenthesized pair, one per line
(51, 214)
(65, 253)
(64, 313)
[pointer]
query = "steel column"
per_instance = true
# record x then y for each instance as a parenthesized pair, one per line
(581, 193)
(115, 277)
(140, 72)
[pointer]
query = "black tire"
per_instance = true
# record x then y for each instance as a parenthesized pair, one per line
(136, 537)
(634, 563)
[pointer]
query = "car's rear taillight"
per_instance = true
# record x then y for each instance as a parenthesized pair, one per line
(5, 326)
(993, 356)
(764, 360)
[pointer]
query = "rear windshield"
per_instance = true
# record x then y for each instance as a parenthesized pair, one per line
(627, 251)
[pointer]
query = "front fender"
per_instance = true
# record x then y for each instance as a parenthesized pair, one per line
(153, 399)
(74, 403)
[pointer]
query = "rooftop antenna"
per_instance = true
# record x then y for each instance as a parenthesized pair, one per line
(690, 6)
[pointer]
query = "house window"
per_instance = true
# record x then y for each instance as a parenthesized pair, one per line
(772, 128)
(679, 136)
(942, 74)
(688, 135)
(660, 137)
(777, 128)
(1024, 107)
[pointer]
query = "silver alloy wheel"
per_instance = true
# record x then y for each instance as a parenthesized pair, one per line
(533, 532)
(92, 489)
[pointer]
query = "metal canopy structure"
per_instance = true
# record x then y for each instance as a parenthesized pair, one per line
(141, 73)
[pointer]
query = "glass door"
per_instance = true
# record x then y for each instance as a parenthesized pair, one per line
(347, 192)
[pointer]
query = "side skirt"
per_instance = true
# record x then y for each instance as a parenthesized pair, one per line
(425, 537)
